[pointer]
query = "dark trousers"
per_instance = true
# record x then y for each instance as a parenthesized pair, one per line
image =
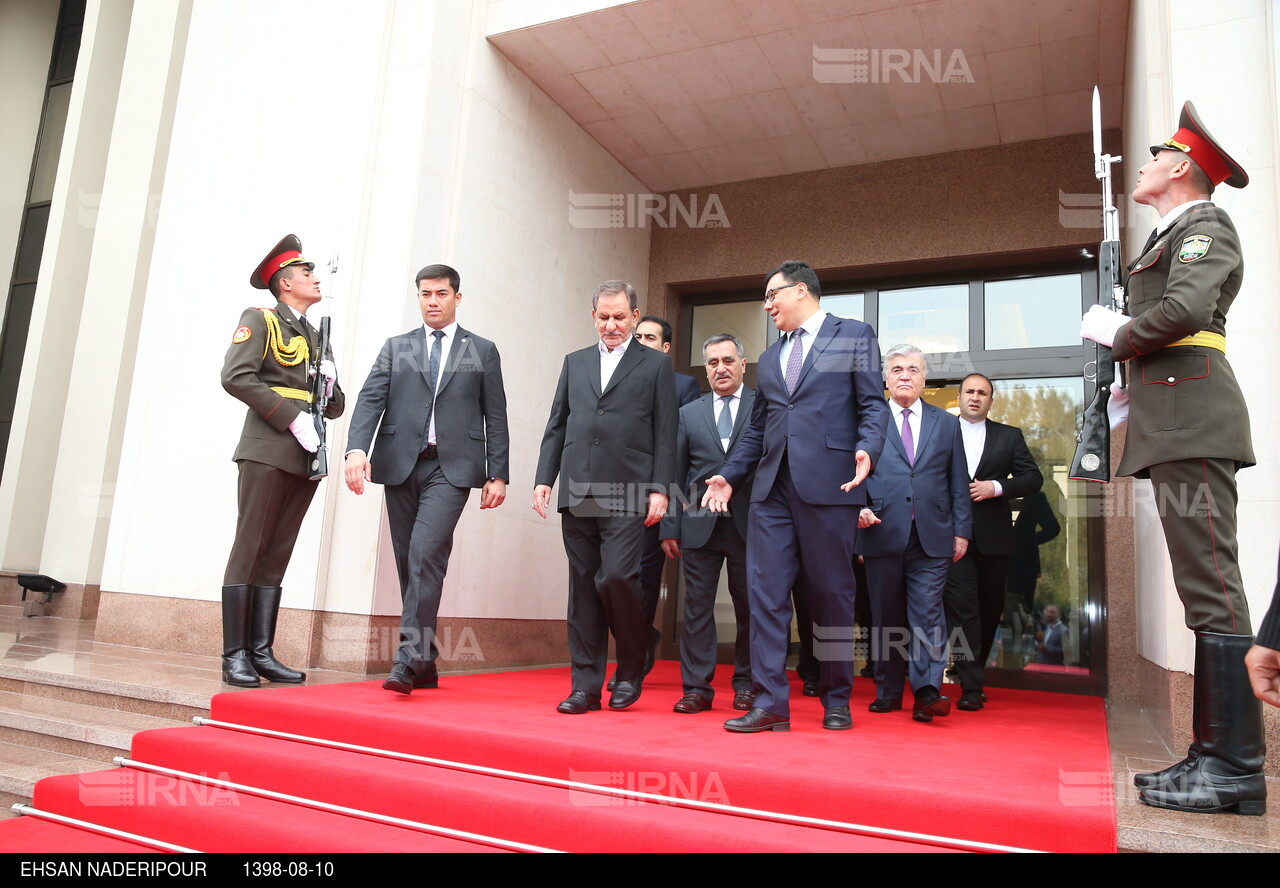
(652, 562)
(604, 597)
(974, 603)
(272, 504)
(785, 533)
(906, 609)
(422, 514)
(698, 640)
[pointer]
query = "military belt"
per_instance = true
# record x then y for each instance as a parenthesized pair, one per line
(295, 394)
(1204, 339)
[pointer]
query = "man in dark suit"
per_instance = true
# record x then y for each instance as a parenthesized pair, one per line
(1000, 468)
(435, 399)
(655, 333)
(269, 366)
(710, 429)
(816, 430)
(611, 440)
(920, 520)
(1189, 431)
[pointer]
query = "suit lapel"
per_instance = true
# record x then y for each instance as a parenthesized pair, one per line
(895, 436)
(769, 371)
(744, 415)
(707, 407)
(826, 333)
(988, 449)
(631, 359)
(928, 426)
(458, 349)
(424, 366)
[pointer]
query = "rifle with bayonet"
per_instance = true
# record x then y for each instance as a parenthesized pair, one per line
(319, 402)
(320, 393)
(1092, 460)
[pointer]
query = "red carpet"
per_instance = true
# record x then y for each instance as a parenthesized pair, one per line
(1013, 774)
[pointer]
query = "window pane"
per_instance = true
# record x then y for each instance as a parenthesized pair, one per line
(1049, 566)
(1032, 312)
(746, 320)
(933, 319)
(845, 305)
(55, 123)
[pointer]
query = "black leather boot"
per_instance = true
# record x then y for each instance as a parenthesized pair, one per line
(236, 668)
(1227, 774)
(262, 635)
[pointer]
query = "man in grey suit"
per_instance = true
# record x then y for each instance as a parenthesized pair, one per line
(611, 440)
(709, 430)
(436, 399)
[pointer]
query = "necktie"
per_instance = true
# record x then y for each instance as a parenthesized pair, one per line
(794, 360)
(724, 425)
(433, 368)
(433, 364)
(908, 440)
(1151, 239)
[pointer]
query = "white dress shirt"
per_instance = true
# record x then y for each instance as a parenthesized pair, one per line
(609, 360)
(974, 435)
(450, 333)
(718, 405)
(811, 328)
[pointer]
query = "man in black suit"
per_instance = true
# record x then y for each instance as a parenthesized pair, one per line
(919, 521)
(436, 400)
(1000, 468)
(611, 439)
(709, 430)
(655, 333)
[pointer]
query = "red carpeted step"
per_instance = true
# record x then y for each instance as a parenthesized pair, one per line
(551, 817)
(210, 819)
(1031, 770)
(32, 835)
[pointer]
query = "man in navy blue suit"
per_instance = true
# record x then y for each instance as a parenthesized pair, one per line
(817, 427)
(919, 521)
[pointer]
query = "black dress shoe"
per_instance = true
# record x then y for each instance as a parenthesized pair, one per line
(838, 719)
(880, 705)
(970, 701)
(690, 702)
(624, 694)
(426, 682)
(613, 682)
(400, 680)
(579, 702)
(758, 720)
(744, 700)
(809, 688)
(930, 705)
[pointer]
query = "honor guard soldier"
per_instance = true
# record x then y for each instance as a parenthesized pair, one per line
(271, 364)
(1189, 433)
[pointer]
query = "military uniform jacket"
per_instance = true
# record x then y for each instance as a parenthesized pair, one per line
(249, 372)
(1185, 400)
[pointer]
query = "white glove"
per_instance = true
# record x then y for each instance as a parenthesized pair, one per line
(1118, 405)
(304, 429)
(330, 376)
(1100, 324)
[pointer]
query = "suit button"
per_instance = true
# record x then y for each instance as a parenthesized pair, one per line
(908, 499)
(596, 441)
(599, 413)
(791, 406)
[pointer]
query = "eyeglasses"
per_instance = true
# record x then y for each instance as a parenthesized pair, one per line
(769, 294)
